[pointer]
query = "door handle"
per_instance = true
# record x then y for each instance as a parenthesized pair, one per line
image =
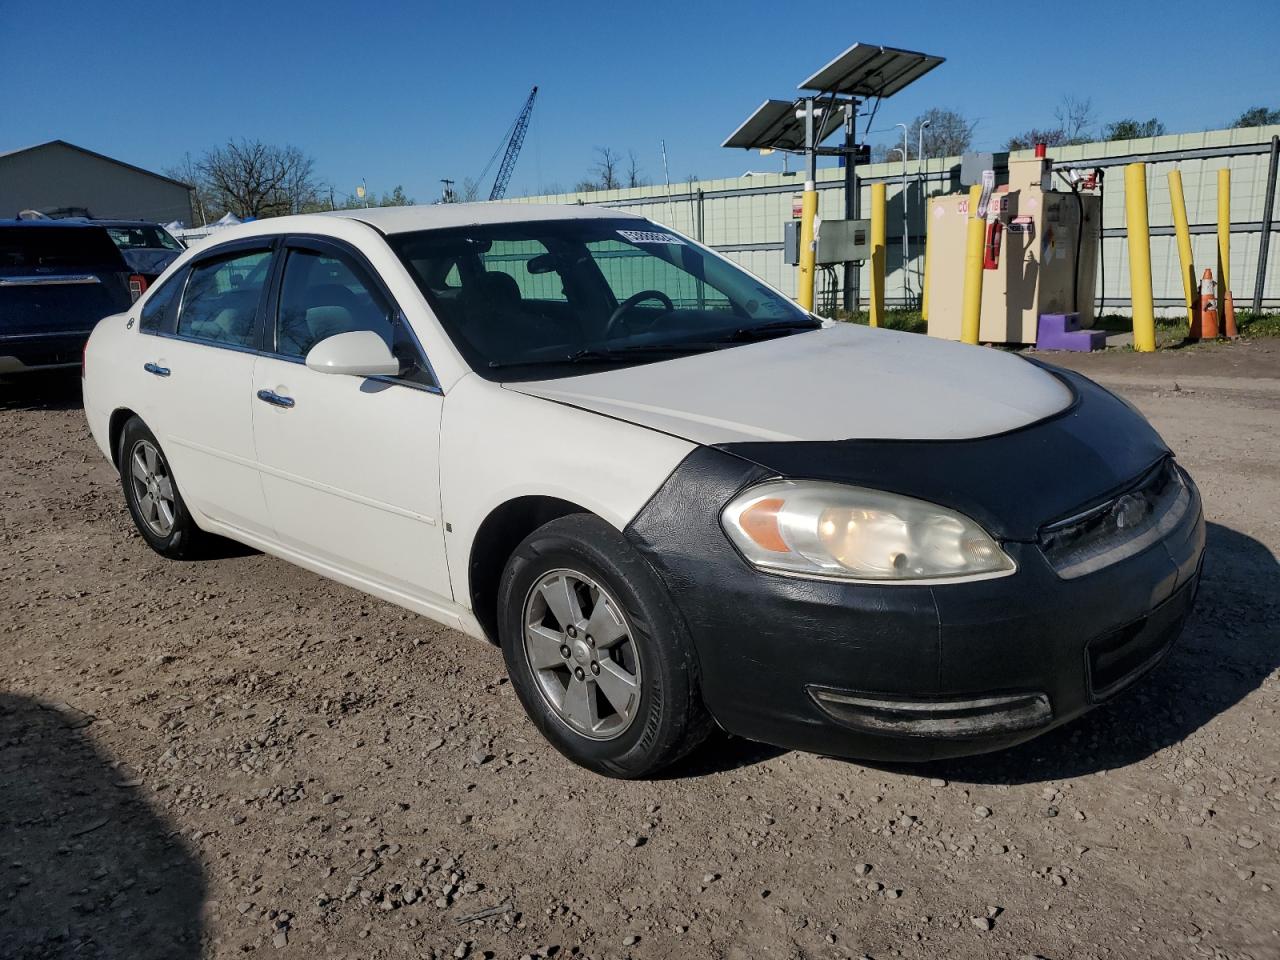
(273, 398)
(156, 369)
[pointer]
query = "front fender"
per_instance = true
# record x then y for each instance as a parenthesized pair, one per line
(497, 445)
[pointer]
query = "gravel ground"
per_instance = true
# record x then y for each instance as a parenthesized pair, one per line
(234, 756)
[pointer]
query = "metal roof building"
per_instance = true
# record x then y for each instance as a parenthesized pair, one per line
(61, 176)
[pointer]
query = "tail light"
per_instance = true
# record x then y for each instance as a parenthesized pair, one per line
(137, 286)
(84, 359)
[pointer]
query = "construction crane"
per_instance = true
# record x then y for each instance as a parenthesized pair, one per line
(513, 141)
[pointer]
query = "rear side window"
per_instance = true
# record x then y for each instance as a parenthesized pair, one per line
(33, 247)
(155, 312)
(220, 303)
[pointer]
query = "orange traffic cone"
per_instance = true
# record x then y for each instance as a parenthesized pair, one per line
(1229, 317)
(1205, 325)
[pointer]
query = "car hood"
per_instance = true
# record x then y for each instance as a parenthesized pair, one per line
(840, 382)
(148, 260)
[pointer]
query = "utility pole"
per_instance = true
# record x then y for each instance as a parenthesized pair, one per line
(446, 194)
(851, 198)
(922, 169)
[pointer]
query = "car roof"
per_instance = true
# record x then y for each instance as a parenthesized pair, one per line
(438, 216)
(124, 223)
(61, 224)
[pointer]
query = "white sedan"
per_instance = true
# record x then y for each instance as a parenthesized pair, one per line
(674, 498)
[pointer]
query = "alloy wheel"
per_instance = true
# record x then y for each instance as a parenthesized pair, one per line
(152, 487)
(582, 654)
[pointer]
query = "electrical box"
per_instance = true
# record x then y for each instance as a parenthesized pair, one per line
(839, 241)
(1035, 269)
(972, 165)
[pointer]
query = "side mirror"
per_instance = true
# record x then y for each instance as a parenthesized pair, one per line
(357, 353)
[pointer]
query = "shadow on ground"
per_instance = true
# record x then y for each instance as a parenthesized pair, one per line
(1230, 646)
(87, 868)
(54, 390)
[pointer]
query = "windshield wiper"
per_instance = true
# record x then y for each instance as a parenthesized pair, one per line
(766, 329)
(605, 355)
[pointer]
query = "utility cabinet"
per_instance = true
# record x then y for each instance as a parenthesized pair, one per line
(1035, 272)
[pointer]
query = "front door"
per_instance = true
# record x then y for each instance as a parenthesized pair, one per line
(349, 465)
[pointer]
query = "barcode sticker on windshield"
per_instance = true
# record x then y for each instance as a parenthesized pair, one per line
(649, 236)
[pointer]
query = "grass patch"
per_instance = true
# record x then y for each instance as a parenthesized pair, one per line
(908, 320)
(1249, 324)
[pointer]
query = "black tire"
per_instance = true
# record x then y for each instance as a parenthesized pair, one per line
(670, 719)
(184, 539)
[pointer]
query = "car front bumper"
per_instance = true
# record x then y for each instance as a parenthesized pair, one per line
(907, 672)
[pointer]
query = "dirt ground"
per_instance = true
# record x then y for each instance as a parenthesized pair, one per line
(234, 756)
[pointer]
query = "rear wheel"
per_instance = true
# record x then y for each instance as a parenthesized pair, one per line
(596, 651)
(152, 494)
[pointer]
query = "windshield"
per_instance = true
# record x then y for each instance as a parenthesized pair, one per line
(143, 237)
(520, 299)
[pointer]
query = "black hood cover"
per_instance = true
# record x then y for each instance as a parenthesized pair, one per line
(1012, 483)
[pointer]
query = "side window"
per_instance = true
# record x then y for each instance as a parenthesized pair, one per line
(220, 303)
(155, 312)
(322, 295)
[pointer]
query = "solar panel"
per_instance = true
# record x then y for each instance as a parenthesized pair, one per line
(776, 126)
(866, 70)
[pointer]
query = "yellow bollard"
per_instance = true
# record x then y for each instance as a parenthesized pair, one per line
(924, 293)
(1135, 204)
(808, 252)
(975, 237)
(1185, 263)
(1224, 234)
(879, 248)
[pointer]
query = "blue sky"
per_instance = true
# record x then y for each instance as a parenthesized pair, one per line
(407, 93)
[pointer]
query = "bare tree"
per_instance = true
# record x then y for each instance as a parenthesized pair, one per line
(470, 190)
(254, 179)
(1075, 118)
(635, 178)
(949, 133)
(1029, 138)
(188, 171)
(606, 169)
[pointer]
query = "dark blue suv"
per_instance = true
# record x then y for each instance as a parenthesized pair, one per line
(57, 280)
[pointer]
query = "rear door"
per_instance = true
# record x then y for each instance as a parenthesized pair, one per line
(197, 373)
(350, 465)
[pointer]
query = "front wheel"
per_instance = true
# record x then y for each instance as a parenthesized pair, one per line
(152, 495)
(596, 652)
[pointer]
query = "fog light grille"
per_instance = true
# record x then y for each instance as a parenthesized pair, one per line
(958, 718)
(1119, 528)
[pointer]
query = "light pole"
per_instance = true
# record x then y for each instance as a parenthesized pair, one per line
(924, 190)
(906, 260)
(906, 292)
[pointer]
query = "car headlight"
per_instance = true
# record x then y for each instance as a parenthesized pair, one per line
(831, 530)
